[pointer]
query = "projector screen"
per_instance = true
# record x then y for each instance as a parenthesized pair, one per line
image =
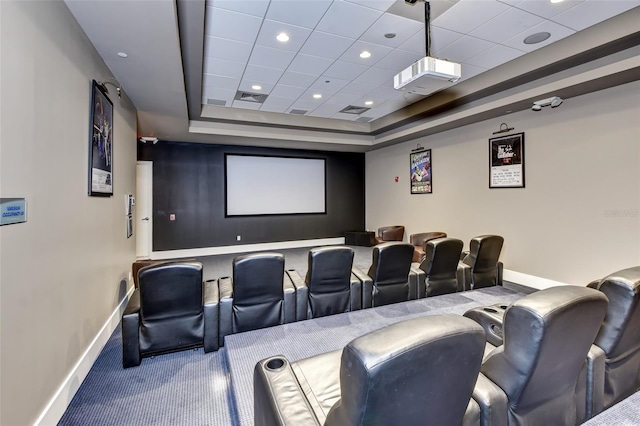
(266, 185)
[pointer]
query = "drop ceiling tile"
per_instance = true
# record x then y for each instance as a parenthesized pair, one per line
(415, 43)
(352, 54)
(289, 92)
(466, 15)
(271, 58)
(343, 116)
(232, 25)
(276, 101)
(506, 25)
(228, 50)
(546, 9)
(345, 70)
(297, 79)
(210, 92)
(246, 86)
(557, 32)
(383, 93)
(301, 13)
(342, 99)
(591, 12)
(326, 110)
(329, 85)
(220, 82)
(376, 76)
(308, 64)
(403, 29)
(359, 87)
(307, 103)
(398, 60)
(270, 29)
(382, 5)
(249, 7)
(257, 73)
(496, 55)
(326, 45)
(246, 105)
(441, 38)
(347, 19)
(221, 67)
(463, 48)
(469, 71)
(274, 108)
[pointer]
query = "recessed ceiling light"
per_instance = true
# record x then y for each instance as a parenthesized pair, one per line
(256, 87)
(122, 54)
(368, 103)
(365, 54)
(537, 38)
(556, 1)
(282, 37)
(390, 35)
(317, 95)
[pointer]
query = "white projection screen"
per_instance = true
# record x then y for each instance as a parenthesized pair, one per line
(267, 185)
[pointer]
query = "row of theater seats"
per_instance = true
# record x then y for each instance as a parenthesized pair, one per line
(568, 353)
(173, 309)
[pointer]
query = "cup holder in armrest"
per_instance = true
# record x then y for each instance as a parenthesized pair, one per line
(491, 310)
(504, 307)
(275, 364)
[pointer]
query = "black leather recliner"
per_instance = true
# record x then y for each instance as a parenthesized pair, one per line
(329, 286)
(532, 378)
(390, 278)
(619, 336)
(403, 374)
(438, 274)
(171, 310)
(480, 266)
(258, 295)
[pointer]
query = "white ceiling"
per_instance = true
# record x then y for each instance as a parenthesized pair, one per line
(327, 36)
(234, 42)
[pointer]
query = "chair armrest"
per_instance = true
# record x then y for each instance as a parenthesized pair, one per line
(594, 284)
(493, 402)
(499, 272)
(302, 294)
(589, 394)
(211, 315)
(278, 399)
(413, 284)
(131, 332)
(463, 275)
(289, 292)
(355, 293)
(491, 318)
(420, 280)
(464, 254)
(367, 287)
(225, 322)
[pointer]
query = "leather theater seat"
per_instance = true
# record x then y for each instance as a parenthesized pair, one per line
(480, 266)
(390, 233)
(403, 374)
(390, 278)
(437, 274)
(329, 286)
(418, 241)
(533, 378)
(139, 264)
(619, 336)
(172, 309)
(258, 295)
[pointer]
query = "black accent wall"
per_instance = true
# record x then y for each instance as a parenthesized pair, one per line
(188, 181)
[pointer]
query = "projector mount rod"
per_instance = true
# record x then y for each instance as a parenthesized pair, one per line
(427, 28)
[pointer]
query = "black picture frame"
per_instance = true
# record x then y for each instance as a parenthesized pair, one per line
(506, 161)
(100, 142)
(420, 172)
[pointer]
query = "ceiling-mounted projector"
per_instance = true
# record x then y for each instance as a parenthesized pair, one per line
(428, 67)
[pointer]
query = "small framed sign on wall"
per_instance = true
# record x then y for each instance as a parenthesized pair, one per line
(420, 169)
(506, 161)
(100, 143)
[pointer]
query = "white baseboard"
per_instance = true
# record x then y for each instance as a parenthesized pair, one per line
(54, 410)
(529, 280)
(209, 251)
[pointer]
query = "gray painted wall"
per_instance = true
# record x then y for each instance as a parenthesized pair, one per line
(578, 218)
(64, 271)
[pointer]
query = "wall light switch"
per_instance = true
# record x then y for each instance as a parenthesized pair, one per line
(238, 237)
(172, 217)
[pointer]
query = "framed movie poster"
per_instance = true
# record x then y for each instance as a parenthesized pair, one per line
(100, 143)
(507, 161)
(420, 172)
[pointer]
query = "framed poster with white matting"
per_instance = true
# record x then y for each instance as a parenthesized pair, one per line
(420, 162)
(506, 156)
(100, 143)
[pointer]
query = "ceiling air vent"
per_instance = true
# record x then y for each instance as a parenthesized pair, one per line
(364, 119)
(298, 111)
(256, 98)
(352, 109)
(216, 102)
